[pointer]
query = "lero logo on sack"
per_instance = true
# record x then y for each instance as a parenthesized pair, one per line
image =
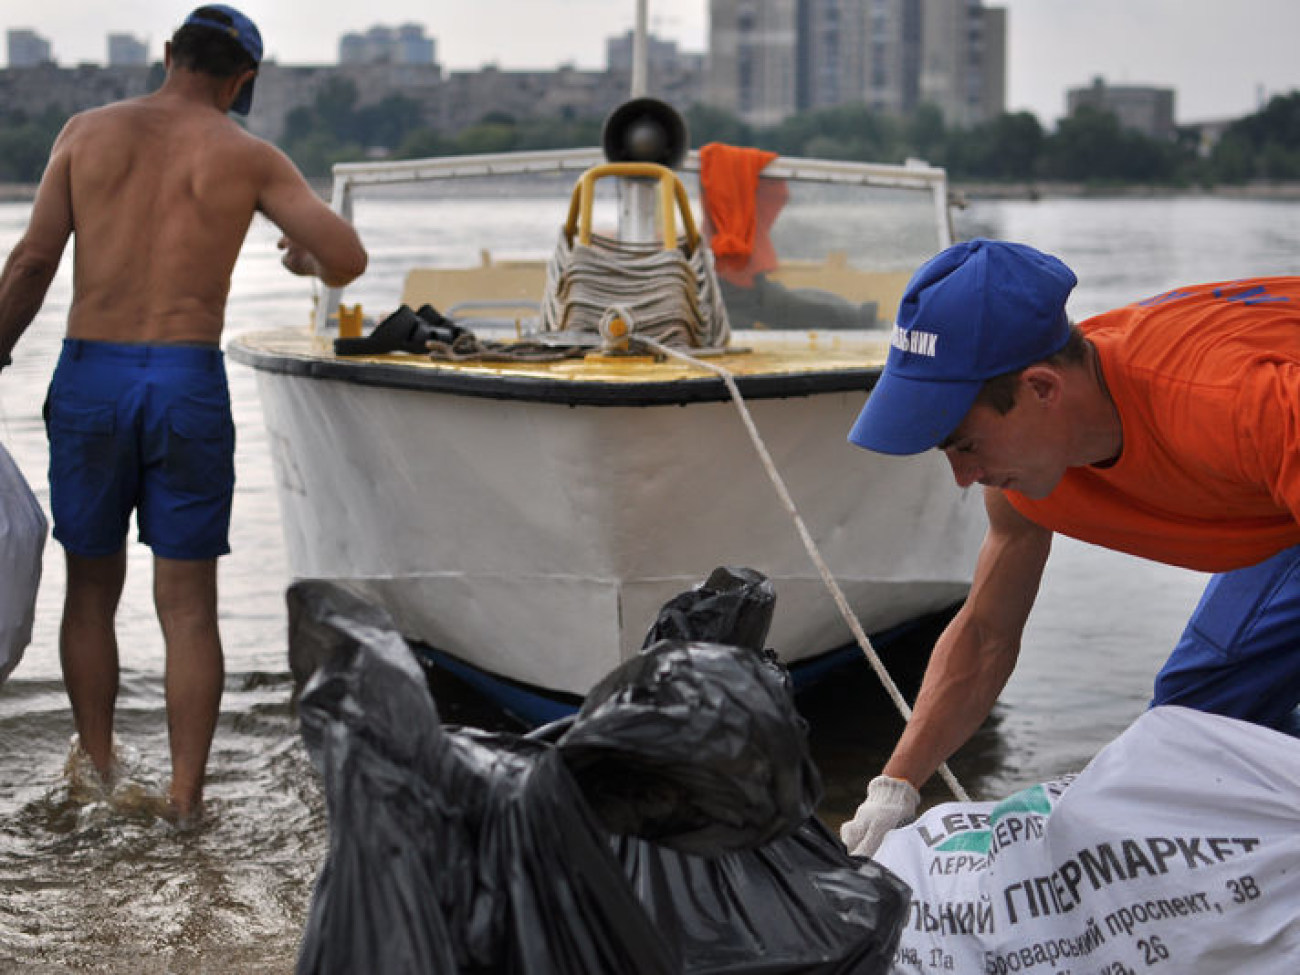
(1015, 818)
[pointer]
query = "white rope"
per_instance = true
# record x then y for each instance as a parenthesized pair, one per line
(855, 626)
(674, 295)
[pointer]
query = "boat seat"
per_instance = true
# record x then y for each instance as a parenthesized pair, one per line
(522, 284)
(485, 289)
(836, 275)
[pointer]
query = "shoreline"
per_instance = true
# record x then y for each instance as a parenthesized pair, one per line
(965, 191)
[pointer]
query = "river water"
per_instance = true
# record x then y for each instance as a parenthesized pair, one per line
(99, 887)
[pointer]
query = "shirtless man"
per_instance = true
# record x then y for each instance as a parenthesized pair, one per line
(159, 192)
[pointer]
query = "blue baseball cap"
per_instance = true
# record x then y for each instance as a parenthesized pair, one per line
(974, 311)
(231, 22)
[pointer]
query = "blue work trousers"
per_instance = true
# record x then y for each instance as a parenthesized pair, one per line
(1240, 653)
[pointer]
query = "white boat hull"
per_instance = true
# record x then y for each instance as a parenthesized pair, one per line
(538, 541)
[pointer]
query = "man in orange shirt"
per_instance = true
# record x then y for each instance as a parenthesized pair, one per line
(1168, 429)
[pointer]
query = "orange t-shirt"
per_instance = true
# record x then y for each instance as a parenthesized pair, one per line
(1207, 383)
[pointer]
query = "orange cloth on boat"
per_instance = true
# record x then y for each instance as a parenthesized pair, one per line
(1207, 383)
(739, 210)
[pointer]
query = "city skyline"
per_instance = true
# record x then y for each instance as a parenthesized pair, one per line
(1218, 67)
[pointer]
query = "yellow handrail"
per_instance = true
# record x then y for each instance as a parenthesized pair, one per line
(671, 191)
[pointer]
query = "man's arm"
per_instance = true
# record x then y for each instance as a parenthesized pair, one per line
(317, 241)
(971, 663)
(35, 258)
(974, 657)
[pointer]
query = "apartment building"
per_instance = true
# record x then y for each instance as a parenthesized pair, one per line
(27, 49)
(388, 45)
(771, 58)
(125, 50)
(753, 58)
(1142, 108)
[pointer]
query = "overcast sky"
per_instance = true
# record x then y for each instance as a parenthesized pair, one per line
(1221, 58)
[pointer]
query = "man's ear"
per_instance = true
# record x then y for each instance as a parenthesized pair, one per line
(232, 86)
(1044, 382)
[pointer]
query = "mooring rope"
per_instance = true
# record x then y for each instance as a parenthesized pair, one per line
(673, 294)
(846, 611)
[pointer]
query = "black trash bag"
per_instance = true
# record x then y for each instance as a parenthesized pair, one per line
(453, 850)
(800, 904)
(330, 622)
(694, 753)
(733, 606)
(450, 850)
(696, 746)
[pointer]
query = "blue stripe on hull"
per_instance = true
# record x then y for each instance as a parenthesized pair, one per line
(534, 706)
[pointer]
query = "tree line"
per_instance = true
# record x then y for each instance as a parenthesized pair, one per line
(1088, 147)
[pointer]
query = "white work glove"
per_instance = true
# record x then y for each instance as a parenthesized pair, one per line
(890, 803)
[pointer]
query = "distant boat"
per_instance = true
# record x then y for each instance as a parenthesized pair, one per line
(523, 516)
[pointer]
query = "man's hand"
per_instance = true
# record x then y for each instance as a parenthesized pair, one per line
(889, 803)
(298, 259)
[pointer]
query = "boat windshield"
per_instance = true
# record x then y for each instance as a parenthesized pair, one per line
(832, 244)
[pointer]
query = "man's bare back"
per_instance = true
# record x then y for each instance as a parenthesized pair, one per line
(159, 193)
(162, 197)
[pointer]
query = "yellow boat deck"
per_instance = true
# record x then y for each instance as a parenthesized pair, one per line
(751, 354)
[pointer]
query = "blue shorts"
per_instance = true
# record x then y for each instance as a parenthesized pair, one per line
(1240, 653)
(145, 428)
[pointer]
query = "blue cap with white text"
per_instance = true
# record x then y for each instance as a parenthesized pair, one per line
(976, 310)
(240, 29)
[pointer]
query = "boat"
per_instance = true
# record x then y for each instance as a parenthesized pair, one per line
(524, 507)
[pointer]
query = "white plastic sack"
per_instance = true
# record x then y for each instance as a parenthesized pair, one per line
(1177, 850)
(22, 542)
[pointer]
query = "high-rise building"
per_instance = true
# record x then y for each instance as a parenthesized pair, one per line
(892, 55)
(660, 55)
(753, 58)
(953, 55)
(412, 46)
(27, 49)
(831, 52)
(770, 58)
(671, 73)
(995, 62)
(387, 45)
(124, 50)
